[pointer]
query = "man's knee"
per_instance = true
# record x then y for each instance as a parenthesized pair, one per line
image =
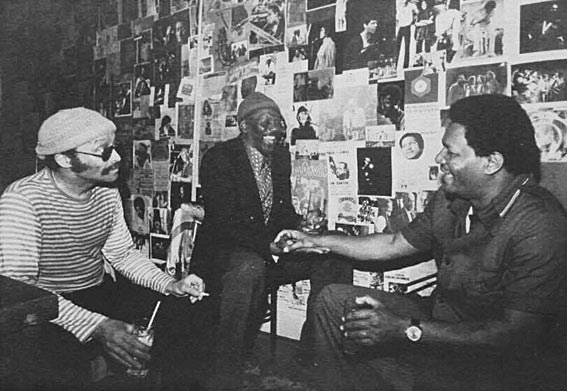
(332, 295)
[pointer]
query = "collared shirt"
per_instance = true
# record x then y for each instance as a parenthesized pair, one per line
(262, 168)
(514, 258)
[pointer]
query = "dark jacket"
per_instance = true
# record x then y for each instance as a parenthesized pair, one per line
(233, 210)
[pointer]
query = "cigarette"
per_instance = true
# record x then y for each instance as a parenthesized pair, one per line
(204, 294)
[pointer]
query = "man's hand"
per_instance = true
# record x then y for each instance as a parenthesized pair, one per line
(118, 341)
(371, 323)
(292, 240)
(191, 285)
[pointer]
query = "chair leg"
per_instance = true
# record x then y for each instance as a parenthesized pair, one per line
(273, 319)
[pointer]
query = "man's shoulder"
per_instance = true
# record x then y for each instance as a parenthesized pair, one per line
(35, 184)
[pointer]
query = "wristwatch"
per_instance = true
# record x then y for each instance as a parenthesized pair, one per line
(414, 331)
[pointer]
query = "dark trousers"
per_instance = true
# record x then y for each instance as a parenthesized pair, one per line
(400, 365)
(243, 303)
(47, 357)
(405, 33)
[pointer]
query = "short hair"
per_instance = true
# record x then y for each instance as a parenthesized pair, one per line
(497, 123)
(393, 90)
(416, 136)
(166, 120)
(368, 18)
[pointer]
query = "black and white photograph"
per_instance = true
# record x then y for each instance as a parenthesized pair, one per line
(543, 26)
(374, 171)
(539, 82)
(390, 108)
(475, 80)
(550, 127)
(122, 99)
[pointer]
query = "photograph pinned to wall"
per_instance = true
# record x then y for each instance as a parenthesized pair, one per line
(341, 166)
(550, 125)
(539, 82)
(483, 79)
(413, 155)
(159, 221)
(322, 46)
(380, 136)
(143, 44)
(206, 65)
(482, 33)
(141, 243)
(180, 193)
(420, 87)
(295, 12)
(267, 24)
(374, 171)
(167, 64)
(122, 99)
(356, 106)
(207, 41)
(543, 26)
(390, 108)
(139, 216)
(309, 186)
(296, 36)
(160, 95)
(298, 55)
(166, 124)
(186, 121)
(142, 154)
(307, 149)
(303, 126)
(370, 35)
(142, 80)
(182, 163)
(186, 91)
(160, 199)
(268, 67)
(141, 107)
(343, 209)
(319, 84)
(384, 68)
(378, 212)
(158, 248)
(239, 51)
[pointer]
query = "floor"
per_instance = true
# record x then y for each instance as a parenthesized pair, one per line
(280, 371)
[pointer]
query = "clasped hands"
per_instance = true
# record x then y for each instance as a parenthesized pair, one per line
(369, 322)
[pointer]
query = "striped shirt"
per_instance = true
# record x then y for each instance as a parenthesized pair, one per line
(59, 243)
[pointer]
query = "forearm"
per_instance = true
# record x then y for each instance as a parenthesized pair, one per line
(376, 247)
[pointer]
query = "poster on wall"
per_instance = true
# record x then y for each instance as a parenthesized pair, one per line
(475, 80)
(543, 26)
(539, 82)
(550, 125)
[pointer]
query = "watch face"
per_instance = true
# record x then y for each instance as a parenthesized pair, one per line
(413, 333)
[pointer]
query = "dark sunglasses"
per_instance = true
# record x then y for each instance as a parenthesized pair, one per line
(105, 155)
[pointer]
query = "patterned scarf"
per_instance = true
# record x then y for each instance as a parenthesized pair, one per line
(262, 168)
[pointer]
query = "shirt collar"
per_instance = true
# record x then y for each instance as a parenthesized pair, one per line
(498, 207)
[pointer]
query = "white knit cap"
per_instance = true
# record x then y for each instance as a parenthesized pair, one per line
(69, 128)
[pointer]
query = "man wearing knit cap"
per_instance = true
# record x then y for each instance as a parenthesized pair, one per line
(59, 230)
(246, 187)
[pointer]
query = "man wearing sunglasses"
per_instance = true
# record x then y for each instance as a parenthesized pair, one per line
(61, 229)
(246, 187)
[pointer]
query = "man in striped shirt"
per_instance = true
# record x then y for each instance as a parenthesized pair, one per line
(58, 230)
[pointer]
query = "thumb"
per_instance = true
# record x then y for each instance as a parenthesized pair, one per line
(368, 301)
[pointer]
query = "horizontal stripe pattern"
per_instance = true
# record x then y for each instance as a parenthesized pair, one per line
(59, 243)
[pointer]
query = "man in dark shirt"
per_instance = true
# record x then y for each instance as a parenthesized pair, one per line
(498, 240)
(247, 192)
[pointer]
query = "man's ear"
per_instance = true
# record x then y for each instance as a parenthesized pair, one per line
(62, 160)
(495, 162)
(243, 126)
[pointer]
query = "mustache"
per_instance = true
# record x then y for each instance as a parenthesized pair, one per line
(107, 170)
